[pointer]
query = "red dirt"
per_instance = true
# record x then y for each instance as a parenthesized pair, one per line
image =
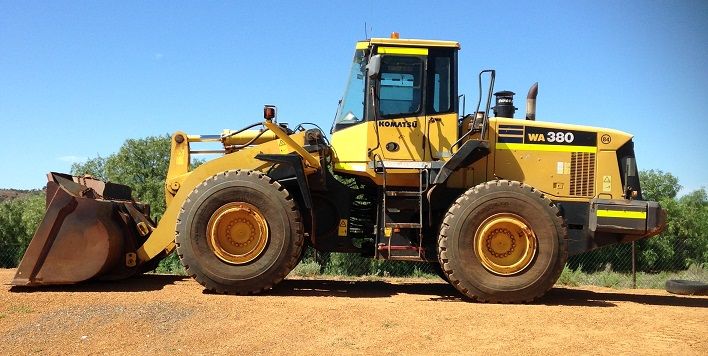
(172, 314)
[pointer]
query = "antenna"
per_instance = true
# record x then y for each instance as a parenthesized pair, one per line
(366, 33)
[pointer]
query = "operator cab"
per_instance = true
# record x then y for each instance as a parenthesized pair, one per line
(403, 85)
(400, 102)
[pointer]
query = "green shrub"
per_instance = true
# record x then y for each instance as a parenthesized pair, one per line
(19, 219)
(307, 268)
(347, 265)
(171, 265)
(570, 277)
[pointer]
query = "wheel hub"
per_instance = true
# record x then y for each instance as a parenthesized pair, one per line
(237, 233)
(505, 244)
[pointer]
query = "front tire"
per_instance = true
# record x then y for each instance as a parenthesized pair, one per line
(239, 232)
(502, 242)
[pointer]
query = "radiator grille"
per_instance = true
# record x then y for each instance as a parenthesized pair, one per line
(582, 174)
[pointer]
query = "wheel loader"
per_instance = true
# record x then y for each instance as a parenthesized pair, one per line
(495, 203)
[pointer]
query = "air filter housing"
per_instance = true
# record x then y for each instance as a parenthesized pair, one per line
(504, 104)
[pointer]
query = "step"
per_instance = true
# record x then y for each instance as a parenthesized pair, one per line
(407, 225)
(384, 247)
(401, 253)
(403, 193)
(401, 204)
(407, 165)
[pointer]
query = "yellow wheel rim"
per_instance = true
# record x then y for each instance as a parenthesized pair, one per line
(237, 233)
(505, 244)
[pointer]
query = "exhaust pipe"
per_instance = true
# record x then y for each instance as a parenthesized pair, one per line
(531, 102)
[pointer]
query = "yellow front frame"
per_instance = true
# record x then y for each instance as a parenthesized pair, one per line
(181, 182)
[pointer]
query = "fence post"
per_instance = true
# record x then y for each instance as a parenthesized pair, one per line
(634, 265)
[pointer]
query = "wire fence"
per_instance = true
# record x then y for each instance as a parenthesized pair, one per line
(619, 266)
(613, 266)
(10, 255)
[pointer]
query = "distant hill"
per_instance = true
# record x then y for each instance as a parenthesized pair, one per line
(7, 194)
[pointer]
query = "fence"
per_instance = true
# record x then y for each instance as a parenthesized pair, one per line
(620, 266)
(10, 255)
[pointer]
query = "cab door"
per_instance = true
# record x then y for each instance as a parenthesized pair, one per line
(401, 117)
(441, 104)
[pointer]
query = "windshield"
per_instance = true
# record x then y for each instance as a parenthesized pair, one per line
(351, 107)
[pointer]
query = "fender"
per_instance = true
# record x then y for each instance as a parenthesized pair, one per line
(295, 162)
(470, 152)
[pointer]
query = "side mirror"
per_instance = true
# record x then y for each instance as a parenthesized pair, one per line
(373, 67)
(269, 112)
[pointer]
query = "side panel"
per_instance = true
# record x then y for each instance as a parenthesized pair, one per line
(440, 134)
(568, 162)
(608, 180)
(401, 138)
(351, 146)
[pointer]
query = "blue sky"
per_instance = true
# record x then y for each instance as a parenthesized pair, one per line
(77, 78)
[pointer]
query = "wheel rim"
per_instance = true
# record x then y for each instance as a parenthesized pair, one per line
(237, 233)
(505, 244)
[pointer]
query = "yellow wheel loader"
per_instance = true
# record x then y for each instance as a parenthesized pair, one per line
(496, 203)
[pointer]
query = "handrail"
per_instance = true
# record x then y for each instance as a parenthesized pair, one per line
(485, 118)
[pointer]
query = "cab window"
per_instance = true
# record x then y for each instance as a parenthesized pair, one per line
(441, 84)
(400, 86)
(351, 107)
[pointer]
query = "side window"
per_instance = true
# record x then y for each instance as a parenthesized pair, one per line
(400, 87)
(441, 85)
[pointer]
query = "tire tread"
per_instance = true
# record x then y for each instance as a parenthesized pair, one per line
(470, 195)
(294, 216)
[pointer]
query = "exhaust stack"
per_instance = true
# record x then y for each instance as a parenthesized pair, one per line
(531, 102)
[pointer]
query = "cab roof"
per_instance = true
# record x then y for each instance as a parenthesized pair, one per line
(408, 42)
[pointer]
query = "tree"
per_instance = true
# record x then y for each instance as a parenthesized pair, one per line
(683, 243)
(685, 240)
(140, 164)
(11, 232)
(94, 167)
(661, 252)
(658, 185)
(19, 219)
(33, 207)
(689, 226)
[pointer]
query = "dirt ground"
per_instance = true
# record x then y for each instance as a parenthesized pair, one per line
(173, 315)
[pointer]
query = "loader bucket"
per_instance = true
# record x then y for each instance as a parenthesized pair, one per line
(90, 230)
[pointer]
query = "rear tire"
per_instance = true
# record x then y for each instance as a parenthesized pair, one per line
(502, 242)
(239, 203)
